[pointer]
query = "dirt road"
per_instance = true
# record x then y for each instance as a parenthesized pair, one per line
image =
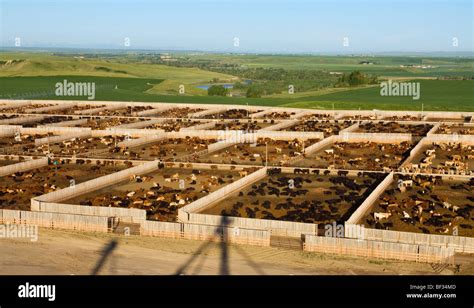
(74, 253)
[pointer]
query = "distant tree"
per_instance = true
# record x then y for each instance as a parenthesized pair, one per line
(239, 86)
(254, 92)
(217, 90)
(357, 78)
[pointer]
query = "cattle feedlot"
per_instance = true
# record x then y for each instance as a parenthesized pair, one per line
(384, 186)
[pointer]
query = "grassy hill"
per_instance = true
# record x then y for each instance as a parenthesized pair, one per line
(42, 64)
(124, 78)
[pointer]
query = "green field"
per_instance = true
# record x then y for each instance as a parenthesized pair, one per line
(437, 95)
(46, 64)
(129, 89)
(107, 88)
(126, 77)
(387, 66)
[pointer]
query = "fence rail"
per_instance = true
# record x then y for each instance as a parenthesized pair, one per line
(378, 249)
(206, 233)
(458, 243)
(55, 220)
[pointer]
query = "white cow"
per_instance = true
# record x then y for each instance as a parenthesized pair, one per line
(447, 205)
(379, 216)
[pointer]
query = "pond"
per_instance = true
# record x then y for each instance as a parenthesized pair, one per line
(226, 85)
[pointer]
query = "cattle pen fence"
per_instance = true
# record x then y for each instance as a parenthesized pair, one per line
(55, 220)
(23, 166)
(379, 249)
(221, 232)
(460, 244)
(94, 223)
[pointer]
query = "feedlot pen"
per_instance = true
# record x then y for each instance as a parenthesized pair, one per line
(301, 169)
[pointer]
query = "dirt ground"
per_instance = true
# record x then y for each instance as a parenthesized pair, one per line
(78, 253)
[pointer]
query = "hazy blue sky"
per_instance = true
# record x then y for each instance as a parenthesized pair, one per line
(265, 26)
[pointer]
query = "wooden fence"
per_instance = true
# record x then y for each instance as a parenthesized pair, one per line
(125, 214)
(207, 201)
(373, 137)
(280, 126)
(67, 123)
(378, 249)
(96, 184)
(458, 243)
(276, 227)
(23, 120)
(23, 166)
(206, 233)
(55, 220)
(61, 138)
(448, 138)
(140, 141)
(368, 203)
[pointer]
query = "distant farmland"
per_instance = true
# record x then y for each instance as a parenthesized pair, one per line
(439, 95)
(448, 95)
(122, 77)
(107, 88)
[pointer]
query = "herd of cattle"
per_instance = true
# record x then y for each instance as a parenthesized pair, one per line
(162, 193)
(418, 203)
(17, 189)
(425, 204)
(361, 155)
(310, 197)
(395, 127)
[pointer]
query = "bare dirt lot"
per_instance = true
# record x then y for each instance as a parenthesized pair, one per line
(78, 253)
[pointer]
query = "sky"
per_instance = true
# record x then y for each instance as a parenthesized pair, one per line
(290, 26)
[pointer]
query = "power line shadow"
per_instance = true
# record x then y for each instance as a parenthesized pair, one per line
(221, 233)
(106, 253)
